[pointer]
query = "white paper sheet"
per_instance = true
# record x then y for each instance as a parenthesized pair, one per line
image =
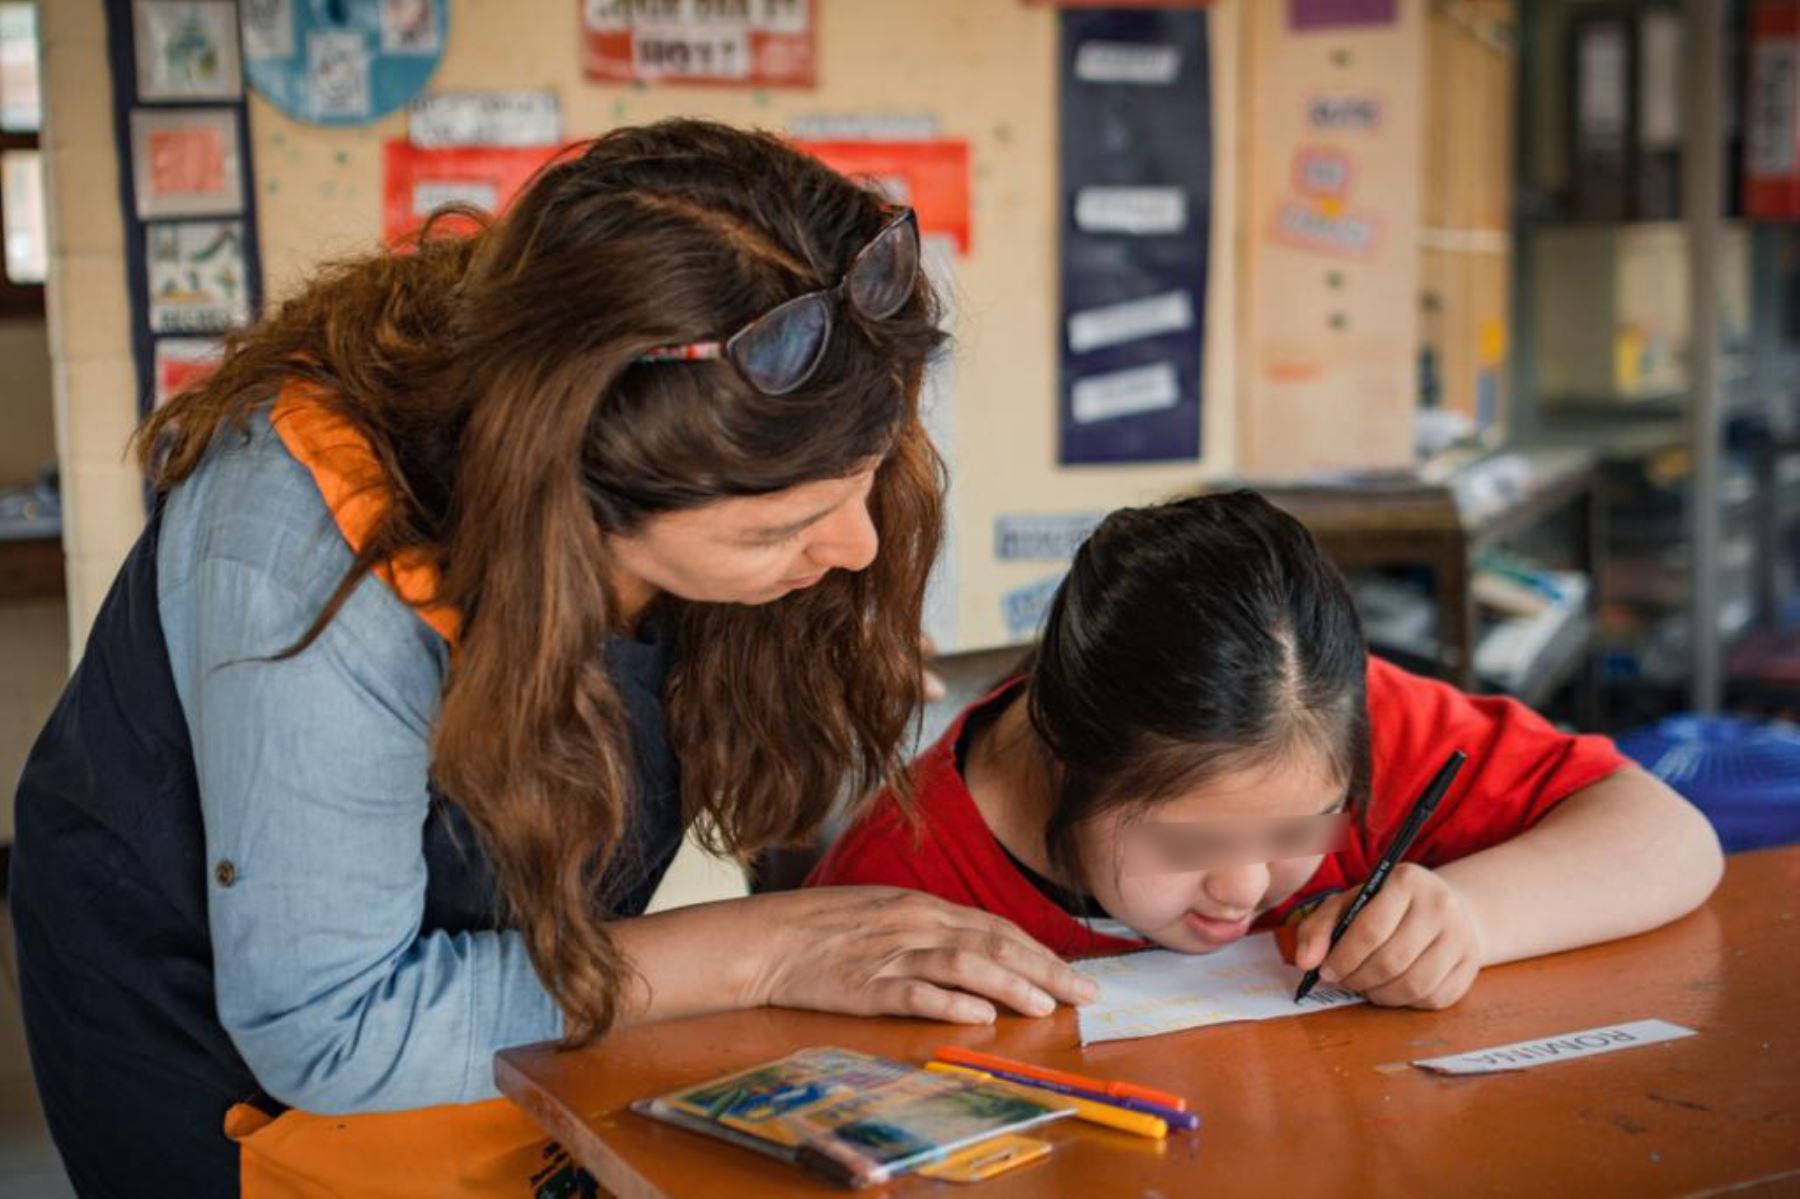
(1522, 1055)
(1143, 994)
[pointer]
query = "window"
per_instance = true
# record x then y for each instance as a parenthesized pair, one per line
(21, 167)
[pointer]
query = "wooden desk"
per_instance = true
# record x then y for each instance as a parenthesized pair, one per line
(1321, 1104)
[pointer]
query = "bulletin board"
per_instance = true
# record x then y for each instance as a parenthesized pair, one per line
(987, 75)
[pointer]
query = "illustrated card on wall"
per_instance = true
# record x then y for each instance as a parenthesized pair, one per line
(187, 49)
(182, 362)
(196, 276)
(185, 162)
(268, 28)
(419, 181)
(931, 177)
(1136, 151)
(751, 43)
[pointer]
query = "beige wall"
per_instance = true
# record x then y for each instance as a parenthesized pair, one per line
(92, 376)
(29, 443)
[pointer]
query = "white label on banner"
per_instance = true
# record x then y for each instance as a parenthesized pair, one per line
(1771, 135)
(1092, 328)
(429, 195)
(690, 53)
(1125, 393)
(1138, 210)
(1522, 1055)
(512, 118)
(1046, 537)
(1127, 62)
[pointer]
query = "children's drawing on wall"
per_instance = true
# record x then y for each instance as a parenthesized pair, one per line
(185, 162)
(187, 49)
(196, 276)
(410, 27)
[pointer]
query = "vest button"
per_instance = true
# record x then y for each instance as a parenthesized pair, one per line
(225, 873)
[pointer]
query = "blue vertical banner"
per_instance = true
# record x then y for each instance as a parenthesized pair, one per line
(1136, 158)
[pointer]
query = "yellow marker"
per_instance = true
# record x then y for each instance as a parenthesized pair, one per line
(1140, 1123)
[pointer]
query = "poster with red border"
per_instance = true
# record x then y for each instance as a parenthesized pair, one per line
(418, 181)
(930, 176)
(716, 43)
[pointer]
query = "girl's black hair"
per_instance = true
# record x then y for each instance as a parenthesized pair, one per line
(1189, 638)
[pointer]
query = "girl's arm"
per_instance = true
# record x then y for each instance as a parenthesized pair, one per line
(1617, 857)
(1621, 856)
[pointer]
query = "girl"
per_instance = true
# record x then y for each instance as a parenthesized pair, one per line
(477, 574)
(1202, 744)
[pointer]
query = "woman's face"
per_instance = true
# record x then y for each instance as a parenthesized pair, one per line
(755, 549)
(1193, 873)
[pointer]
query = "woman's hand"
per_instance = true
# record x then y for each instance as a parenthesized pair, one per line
(1417, 944)
(887, 951)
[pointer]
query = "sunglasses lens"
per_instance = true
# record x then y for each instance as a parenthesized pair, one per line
(881, 279)
(778, 353)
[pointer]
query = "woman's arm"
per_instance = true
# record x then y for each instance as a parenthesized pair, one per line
(1617, 857)
(860, 950)
(1621, 856)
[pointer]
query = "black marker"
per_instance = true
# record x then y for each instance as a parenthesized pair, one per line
(1415, 820)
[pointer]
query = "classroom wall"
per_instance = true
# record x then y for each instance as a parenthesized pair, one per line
(987, 71)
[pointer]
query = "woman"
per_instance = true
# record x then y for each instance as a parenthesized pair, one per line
(488, 517)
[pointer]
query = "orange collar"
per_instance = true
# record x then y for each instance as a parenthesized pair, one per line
(350, 478)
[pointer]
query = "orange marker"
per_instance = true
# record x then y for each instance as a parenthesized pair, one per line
(1121, 1090)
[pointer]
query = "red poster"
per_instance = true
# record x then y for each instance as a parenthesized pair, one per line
(726, 43)
(420, 181)
(930, 176)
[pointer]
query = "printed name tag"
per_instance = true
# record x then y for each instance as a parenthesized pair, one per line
(1523, 1055)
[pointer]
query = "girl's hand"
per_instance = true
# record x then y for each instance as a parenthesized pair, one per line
(1417, 944)
(888, 951)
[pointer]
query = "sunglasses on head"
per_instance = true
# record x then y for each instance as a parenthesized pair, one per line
(778, 351)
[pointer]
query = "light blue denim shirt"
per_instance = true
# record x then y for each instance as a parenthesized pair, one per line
(313, 784)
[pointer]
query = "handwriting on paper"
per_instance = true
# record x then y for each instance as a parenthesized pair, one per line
(1143, 994)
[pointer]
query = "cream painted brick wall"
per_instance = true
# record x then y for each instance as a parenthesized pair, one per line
(88, 305)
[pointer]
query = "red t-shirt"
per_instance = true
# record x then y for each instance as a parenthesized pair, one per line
(1519, 768)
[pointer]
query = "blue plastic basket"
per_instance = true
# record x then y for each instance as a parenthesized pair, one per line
(1743, 774)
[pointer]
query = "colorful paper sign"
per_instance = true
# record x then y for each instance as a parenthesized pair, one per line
(930, 176)
(1322, 173)
(1305, 16)
(418, 181)
(196, 276)
(1325, 227)
(734, 43)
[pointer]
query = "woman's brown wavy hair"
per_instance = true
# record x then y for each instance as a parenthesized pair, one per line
(495, 374)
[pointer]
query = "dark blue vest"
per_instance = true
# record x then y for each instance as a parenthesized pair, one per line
(108, 896)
